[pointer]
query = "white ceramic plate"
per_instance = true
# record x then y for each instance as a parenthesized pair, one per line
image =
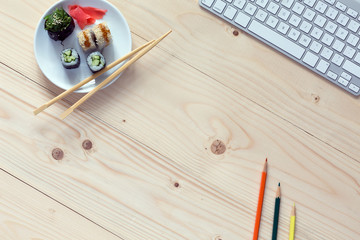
(47, 51)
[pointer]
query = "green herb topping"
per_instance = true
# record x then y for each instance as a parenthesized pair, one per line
(57, 21)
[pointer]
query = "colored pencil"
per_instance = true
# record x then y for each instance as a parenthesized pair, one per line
(260, 202)
(276, 214)
(292, 223)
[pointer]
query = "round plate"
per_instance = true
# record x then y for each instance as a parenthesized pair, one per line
(47, 51)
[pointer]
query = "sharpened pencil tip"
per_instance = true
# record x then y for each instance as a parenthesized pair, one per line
(279, 184)
(266, 160)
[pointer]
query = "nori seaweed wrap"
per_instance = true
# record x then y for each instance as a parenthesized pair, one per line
(59, 24)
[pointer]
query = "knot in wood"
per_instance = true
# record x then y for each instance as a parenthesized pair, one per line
(87, 144)
(218, 147)
(315, 98)
(57, 154)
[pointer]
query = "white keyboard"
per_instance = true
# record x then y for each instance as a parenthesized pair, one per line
(322, 35)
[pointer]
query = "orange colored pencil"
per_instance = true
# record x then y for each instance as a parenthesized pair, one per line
(260, 201)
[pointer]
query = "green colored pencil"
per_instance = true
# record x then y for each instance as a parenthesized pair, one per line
(276, 214)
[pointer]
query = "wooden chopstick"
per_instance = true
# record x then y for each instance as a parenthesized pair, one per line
(83, 82)
(113, 75)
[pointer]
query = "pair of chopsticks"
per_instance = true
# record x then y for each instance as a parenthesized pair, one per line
(140, 50)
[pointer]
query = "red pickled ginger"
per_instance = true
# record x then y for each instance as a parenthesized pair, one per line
(85, 15)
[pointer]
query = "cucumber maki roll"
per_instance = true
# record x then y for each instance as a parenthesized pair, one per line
(59, 24)
(70, 58)
(96, 61)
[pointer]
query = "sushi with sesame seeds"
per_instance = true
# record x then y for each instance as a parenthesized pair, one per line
(59, 24)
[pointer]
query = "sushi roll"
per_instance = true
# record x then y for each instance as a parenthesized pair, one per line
(59, 24)
(102, 35)
(86, 40)
(96, 61)
(70, 58)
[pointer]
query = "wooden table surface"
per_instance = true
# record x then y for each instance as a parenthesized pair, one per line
(174, 149)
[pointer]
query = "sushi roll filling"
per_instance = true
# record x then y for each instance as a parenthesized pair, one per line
(96, 60)
(68, 57)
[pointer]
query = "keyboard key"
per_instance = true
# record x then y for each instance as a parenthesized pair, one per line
(272, 21)
(287, 3)
(283, 28)
(261, 3)
(342, 33)
(207, 3)
(305, 26)
(276, 39)
(331, 2)
(239, 3)
(349, 52)
(273, 8)
(343, 19)
(338, 45)
(294, 34)
(340, 6)
(284, 14)
(326, 53)
(320, 21)
(320, 7)
(261, 15)
(304, 40)
(330, 27)
(357, 58)
(310, 59)
(242, 19)
(352, 68)
(316, 33)
(250, 9)
(337, 59)
(353, 26)
(343, 81)
(346, 76)
(219, 6)
(331, 75)
(315, 47)
(298, 8)
(295, 20)
(230, 12)
(352, 40)
(354, 88)
(309, 14)
(352, 12)
(310, 3)
(332, 13)
(322, 66)
(327, 39)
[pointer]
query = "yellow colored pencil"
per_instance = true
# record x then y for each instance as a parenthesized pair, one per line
(292, 223)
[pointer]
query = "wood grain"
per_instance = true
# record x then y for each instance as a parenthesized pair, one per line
(151, 173)
(26, 213)
(131, 190)
(255, 71)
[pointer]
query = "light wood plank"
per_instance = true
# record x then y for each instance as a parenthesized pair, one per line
(207, 44)
(130, 189)
(26, 213)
